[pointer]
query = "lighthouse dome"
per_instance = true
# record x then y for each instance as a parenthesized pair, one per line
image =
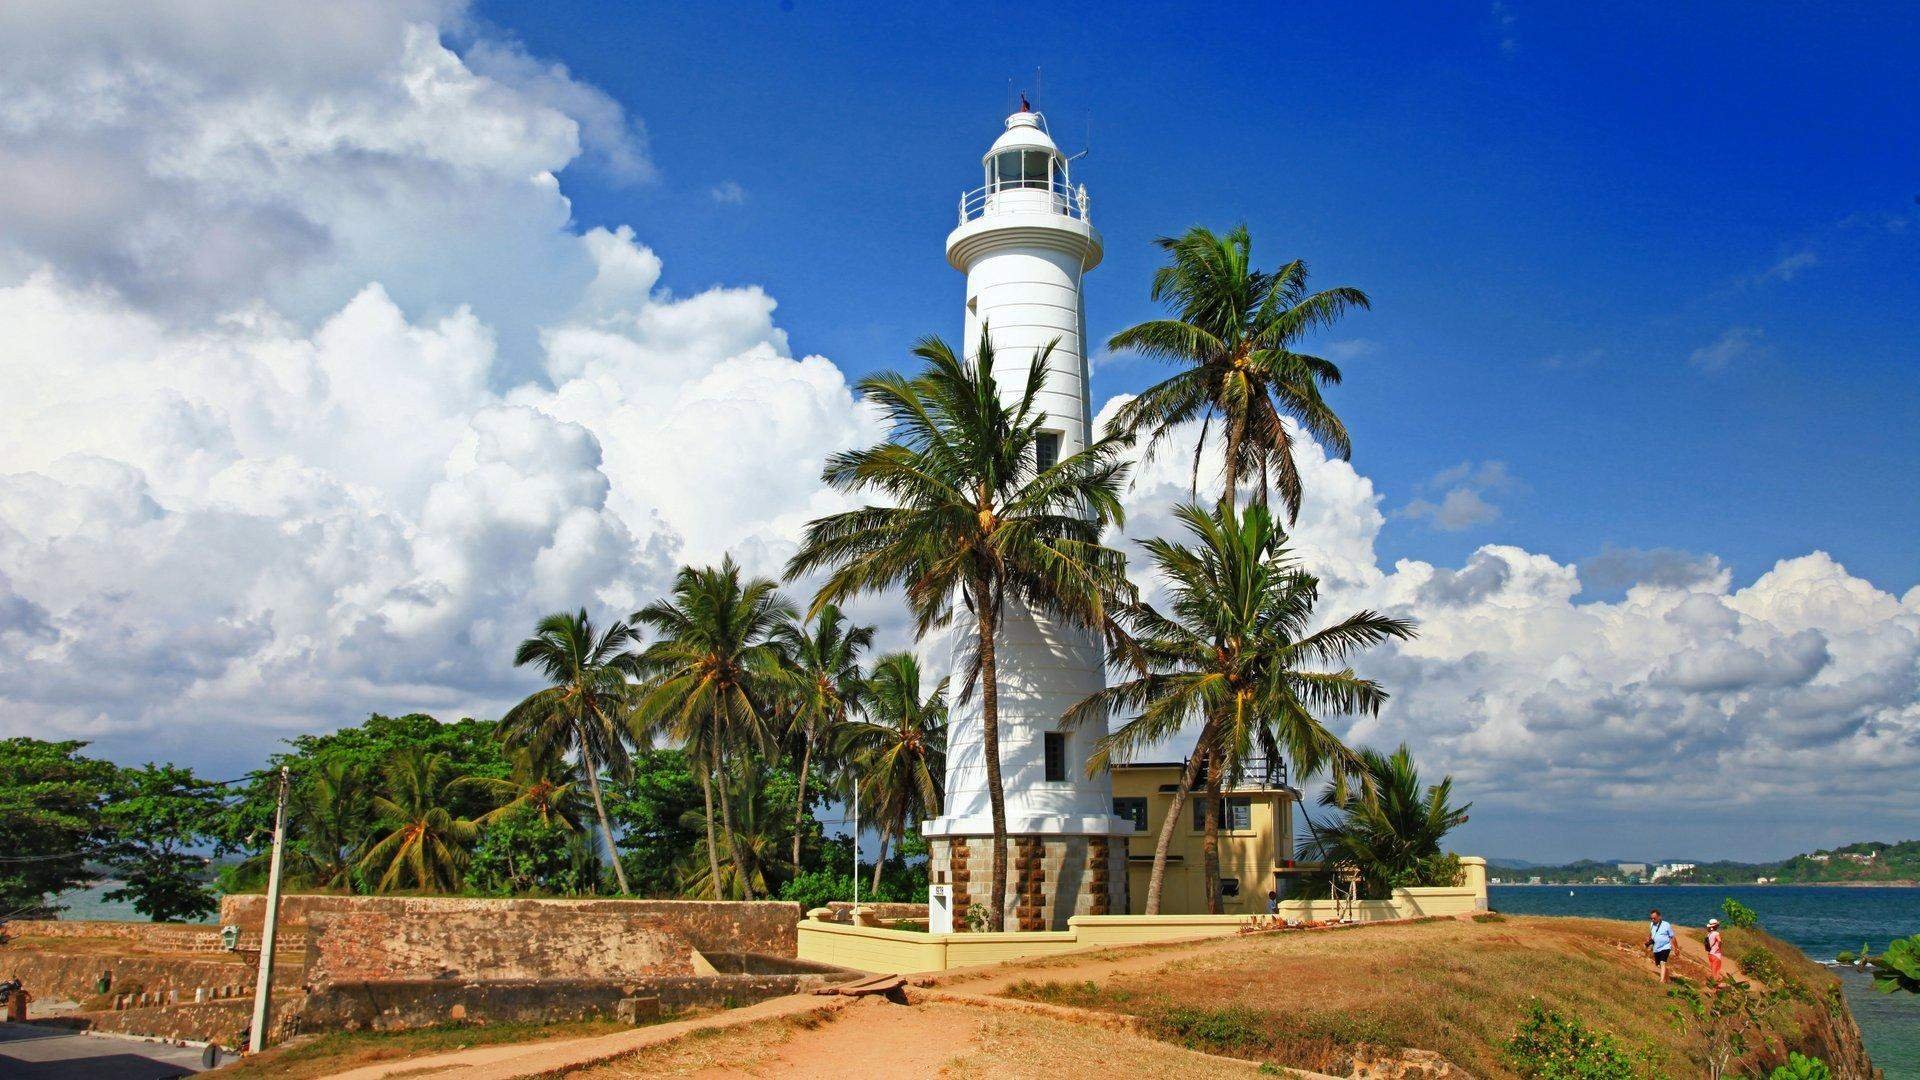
(1024, 132)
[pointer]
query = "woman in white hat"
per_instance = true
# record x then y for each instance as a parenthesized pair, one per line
(1714, 959)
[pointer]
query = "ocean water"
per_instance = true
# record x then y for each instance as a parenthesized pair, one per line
(1819, 920)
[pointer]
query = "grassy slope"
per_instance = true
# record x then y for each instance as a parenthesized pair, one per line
(1459, 988)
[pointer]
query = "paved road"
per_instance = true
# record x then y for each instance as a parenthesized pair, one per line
(32, 1052)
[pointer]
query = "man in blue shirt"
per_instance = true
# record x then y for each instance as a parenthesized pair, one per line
(1660, 942)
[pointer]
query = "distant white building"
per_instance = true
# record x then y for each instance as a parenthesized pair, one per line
(1671, 869)
(1631, 869)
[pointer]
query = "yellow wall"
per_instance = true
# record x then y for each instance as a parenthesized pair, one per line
(1250, 855)
(869, 948)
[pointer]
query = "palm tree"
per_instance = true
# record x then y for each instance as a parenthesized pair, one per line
(329, 809)
(900, 752)
(821, 667)
(581, 709)
(538, 784)
(709, 677)
(1392, 832)
(968, 516)
(427, 847)
(751, 863)
(1234, 329)
(1232, 653)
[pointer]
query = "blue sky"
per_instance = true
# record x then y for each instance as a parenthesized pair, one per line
(1664, 265)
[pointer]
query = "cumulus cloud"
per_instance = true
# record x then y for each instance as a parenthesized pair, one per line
(1620, 568)
(232, 508)
(1464, 496)
(1686, 694)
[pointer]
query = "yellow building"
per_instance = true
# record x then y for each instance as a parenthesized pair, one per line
(1256, 839)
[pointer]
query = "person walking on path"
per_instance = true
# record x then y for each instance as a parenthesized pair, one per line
(1659, 942)
(1714, 958)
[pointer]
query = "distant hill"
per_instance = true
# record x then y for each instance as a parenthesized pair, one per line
(1867, 863)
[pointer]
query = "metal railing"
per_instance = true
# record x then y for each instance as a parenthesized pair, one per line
(1015, 197)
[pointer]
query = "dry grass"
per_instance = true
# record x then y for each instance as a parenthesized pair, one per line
(340, 1051)
(1456, 987)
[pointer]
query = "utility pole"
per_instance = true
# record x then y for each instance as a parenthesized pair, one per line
(856, 843)
(269, 925)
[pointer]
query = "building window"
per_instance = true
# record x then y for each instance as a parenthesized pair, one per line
(1056, 757)
(1229, 886)
(1131, 809)
(1046, 450)
(1236, 815)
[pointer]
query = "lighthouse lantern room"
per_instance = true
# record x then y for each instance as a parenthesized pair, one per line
(1024, 242)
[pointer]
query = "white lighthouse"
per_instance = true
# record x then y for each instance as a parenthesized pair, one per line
(1024, 242)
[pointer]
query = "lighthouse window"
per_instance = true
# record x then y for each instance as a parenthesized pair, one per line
(1021, 169)
(1046, 450)
(1056, 757)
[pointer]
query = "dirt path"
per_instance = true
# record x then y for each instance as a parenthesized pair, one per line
(875, 1039)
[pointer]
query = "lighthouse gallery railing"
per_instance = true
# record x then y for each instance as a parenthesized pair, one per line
(1021, 198)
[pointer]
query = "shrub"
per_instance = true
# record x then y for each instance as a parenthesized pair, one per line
(814, 888)
(1234, 1030)
(1551, 1046)
(1801, 1067)
(1738, 915)
(1760, 964)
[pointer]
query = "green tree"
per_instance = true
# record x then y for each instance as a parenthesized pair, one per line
(157, 813)
(709, 677)
(426, 849)
(582, 709)
(650, 806)
(540, 784)
(750, 864)
(967, 516)
(821, 670)
(1234, 654)
(329, 813)
(1234, 330)
(50, 821)
(899, 752)
(1391, 827)
(519, 851)
(1739, 915)
(330, 816)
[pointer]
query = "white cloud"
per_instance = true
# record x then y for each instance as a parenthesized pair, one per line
(727, 192)
(1789, 266)
(1684, 695)
(1736, 343)
(1464, 491)
(231, 508)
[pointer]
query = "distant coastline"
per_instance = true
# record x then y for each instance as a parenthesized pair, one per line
(1889, 884)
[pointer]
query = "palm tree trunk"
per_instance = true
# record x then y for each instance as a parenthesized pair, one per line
(1172, 821)
(990, 738)
(713, 848)
(726, 822)
(600, 811)
(1210, 848)
(886, 833)
(800, 798)
(1230, 494)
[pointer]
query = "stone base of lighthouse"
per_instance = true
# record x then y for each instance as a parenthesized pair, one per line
(1050, 877)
